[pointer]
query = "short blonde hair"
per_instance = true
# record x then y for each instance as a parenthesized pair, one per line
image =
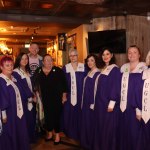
(73, 50)
(148, 58)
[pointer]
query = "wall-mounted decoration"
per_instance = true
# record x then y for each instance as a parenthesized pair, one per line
(59, 58)
(51, 50)
(62, 41)
(71, 41)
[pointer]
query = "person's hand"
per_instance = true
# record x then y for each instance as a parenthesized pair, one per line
(109, 109)
(64, 98)
(37, 93)
(35, 99)
(4, 120)
(139, 117)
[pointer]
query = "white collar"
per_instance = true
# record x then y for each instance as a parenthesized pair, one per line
(92, 73)
(108, 69)
(141, 66)
(80, 67)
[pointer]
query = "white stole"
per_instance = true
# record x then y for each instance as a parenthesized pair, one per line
(146, 74)
(90, 74)
(24, 75)
(95, 88)
(124, 91)
(69, 69)
(146, 97)
(18, 97)
(106, 72)
(125, 69)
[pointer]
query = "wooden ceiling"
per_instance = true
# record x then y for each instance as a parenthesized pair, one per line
(44, 19)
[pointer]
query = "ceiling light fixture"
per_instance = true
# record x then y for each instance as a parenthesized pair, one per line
(47, 6)
(3, 30)
(4, 49)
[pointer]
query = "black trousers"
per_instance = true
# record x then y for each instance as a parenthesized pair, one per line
(52, 114)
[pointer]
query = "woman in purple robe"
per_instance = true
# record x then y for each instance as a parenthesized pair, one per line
(15, 134)
(3, 106)
(106, 102)
(21, 73)
(87, 104)
(129, 125)
(142, 92)
(75, 73)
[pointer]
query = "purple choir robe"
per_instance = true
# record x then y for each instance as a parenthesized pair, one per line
(87, 114)
(15, 134)
(30, 115)
(3, 105)
(72, 114)
(143, 142)
(129, 125)
(106, 123)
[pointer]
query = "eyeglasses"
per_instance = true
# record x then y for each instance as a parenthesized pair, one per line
(47, 60)
(73, 55)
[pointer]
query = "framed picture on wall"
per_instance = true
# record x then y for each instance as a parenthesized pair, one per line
(71, 41)
(62, 41)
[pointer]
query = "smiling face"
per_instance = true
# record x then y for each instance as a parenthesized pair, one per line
(133, 54)
(34, 49)
(48, 62)
(106, 56)
(91, 62)
(24, 60)
(7, 68)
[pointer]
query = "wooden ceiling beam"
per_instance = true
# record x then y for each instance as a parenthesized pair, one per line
(27, 36)
(59, 7)
(22, 43)
(48, 19)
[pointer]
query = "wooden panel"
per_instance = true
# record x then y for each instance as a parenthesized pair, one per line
(137, 31)
(111, 23)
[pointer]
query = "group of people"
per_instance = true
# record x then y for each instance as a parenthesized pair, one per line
(102, 106)
(107, 107)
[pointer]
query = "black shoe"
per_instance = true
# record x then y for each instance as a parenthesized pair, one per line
(50, 139)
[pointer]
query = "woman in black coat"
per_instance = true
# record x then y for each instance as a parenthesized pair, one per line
(50, 81)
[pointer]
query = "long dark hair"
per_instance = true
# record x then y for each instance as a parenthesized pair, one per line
(18, 60)
(112, 61)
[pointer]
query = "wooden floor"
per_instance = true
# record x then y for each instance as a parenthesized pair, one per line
(66, 144)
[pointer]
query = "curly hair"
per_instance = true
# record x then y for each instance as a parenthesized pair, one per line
(95, 58)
